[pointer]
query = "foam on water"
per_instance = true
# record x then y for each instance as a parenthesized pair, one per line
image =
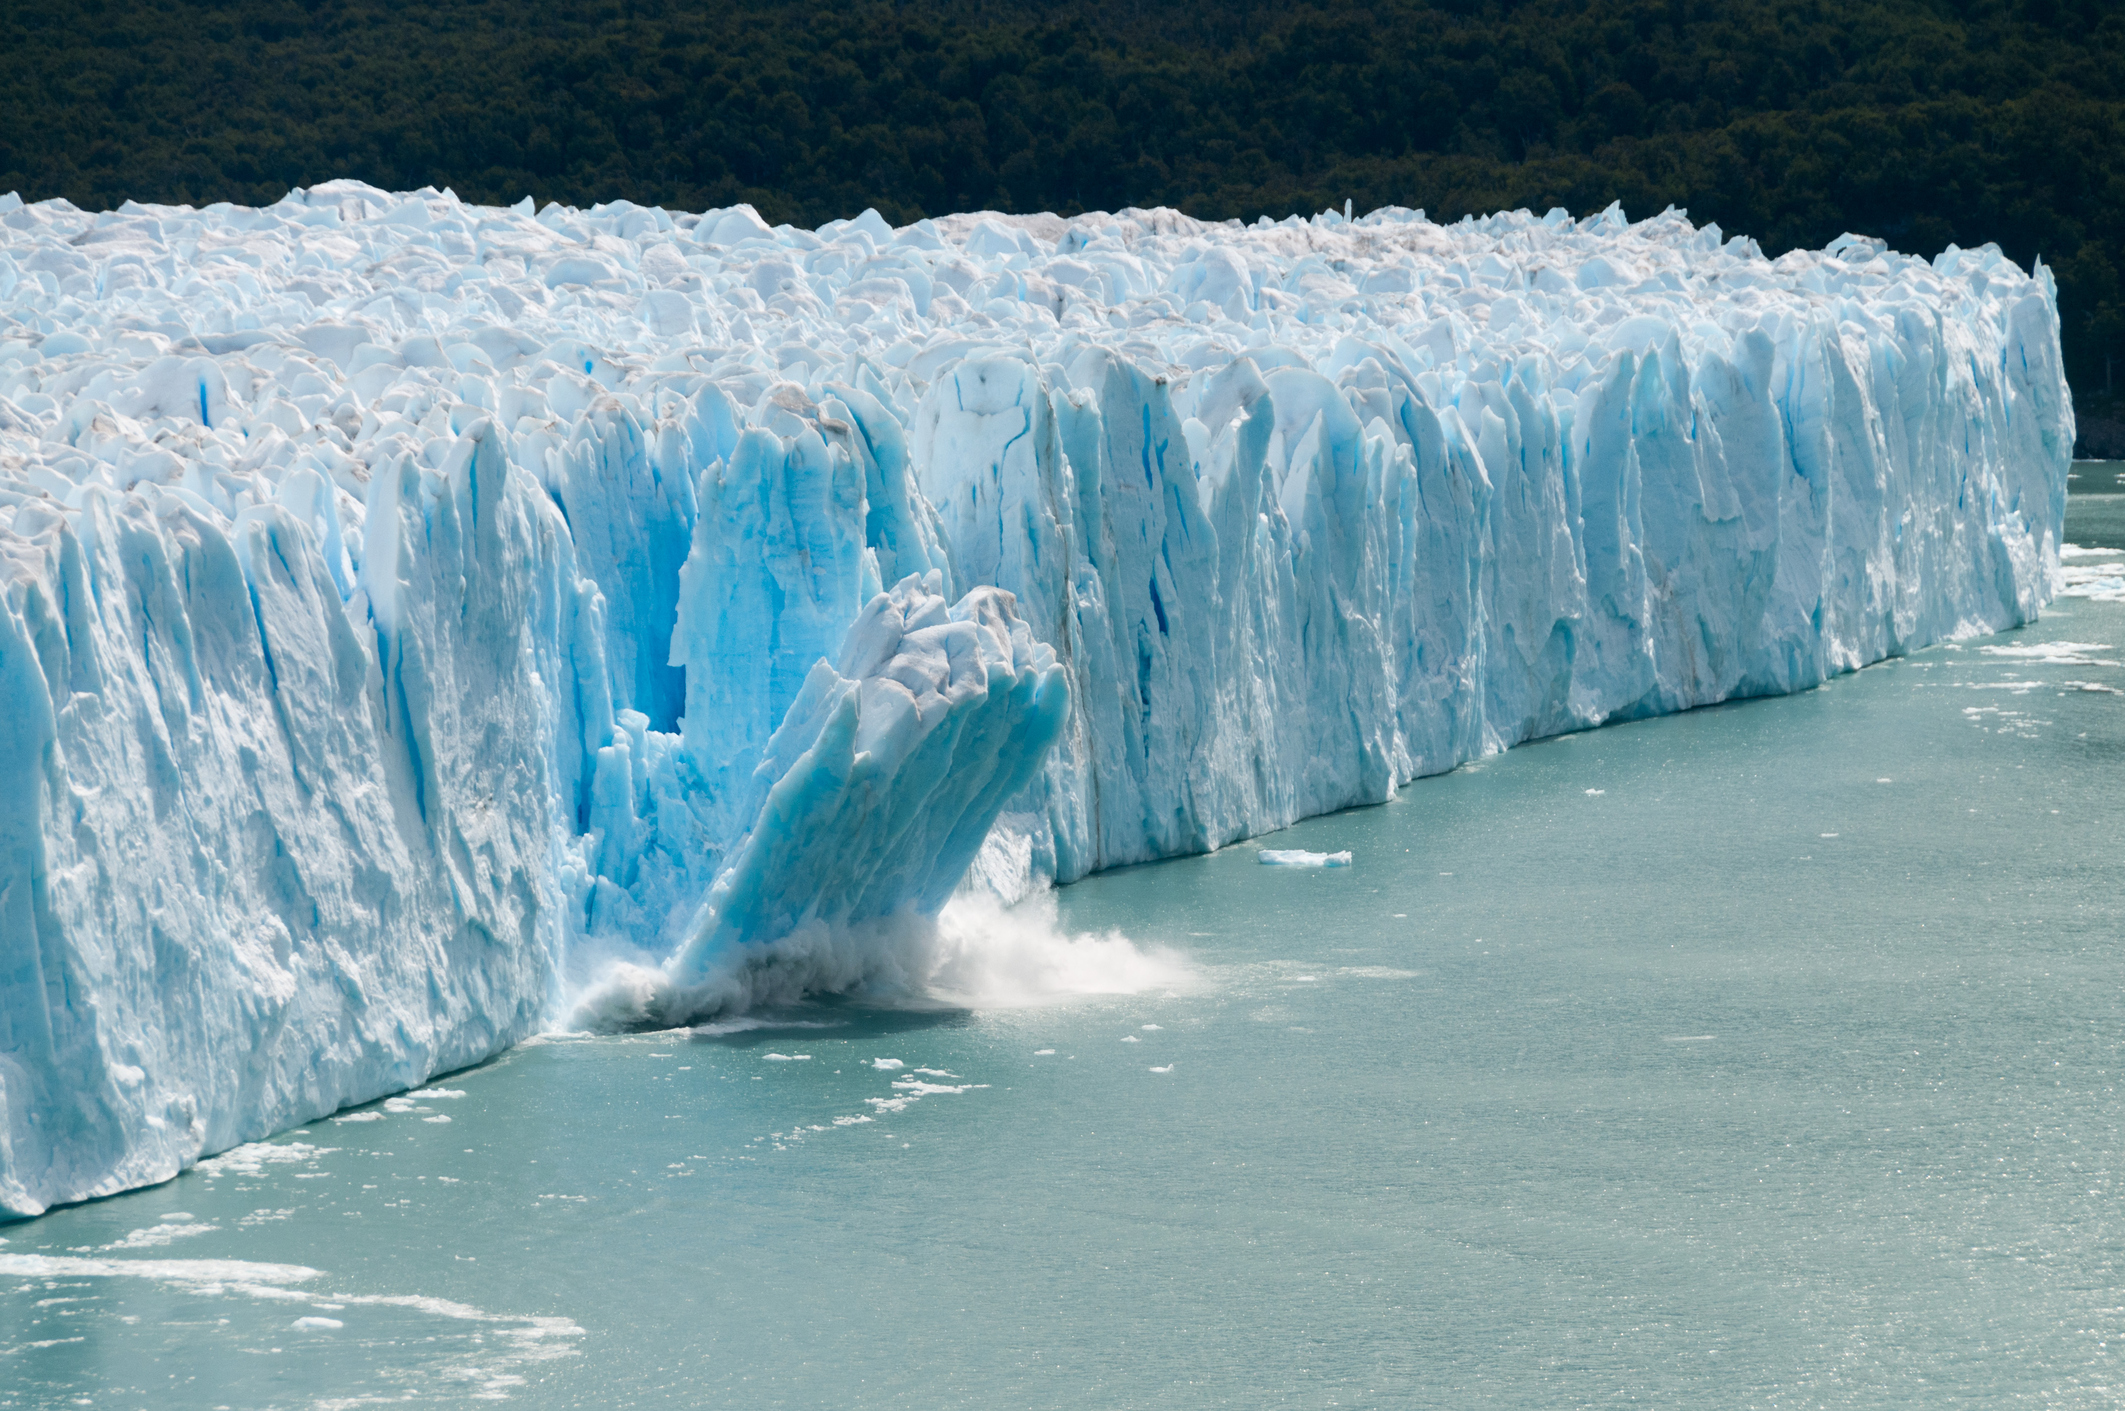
(486, 1371)
(155, 1236)
(193, 1275)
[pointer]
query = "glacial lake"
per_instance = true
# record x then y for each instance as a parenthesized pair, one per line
(1763, 1056)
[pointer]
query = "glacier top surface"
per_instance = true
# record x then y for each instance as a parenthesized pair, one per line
(220, 350)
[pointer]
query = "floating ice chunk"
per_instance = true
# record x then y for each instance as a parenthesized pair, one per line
(2103, 581)
(2052, 653)
(252, 1158)
(887, 1065)
(1298, 857)
(317, 1324)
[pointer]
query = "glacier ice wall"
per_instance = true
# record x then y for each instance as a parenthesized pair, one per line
(425, 622)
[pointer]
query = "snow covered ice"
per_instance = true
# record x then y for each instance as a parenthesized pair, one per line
(427, 623)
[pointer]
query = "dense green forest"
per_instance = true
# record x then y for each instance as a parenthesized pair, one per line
(1922, 121)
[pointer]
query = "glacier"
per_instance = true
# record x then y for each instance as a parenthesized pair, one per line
(425, 624)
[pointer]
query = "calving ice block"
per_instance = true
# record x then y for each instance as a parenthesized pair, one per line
(425, 623)
(1299, 857)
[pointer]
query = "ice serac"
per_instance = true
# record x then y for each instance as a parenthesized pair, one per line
(423, 623)
(261, 856)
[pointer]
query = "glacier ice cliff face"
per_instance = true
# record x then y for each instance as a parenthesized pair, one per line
(422, 623)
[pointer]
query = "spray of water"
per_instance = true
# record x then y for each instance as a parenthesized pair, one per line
(977, 954)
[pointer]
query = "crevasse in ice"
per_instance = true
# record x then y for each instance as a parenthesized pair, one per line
(424, 623)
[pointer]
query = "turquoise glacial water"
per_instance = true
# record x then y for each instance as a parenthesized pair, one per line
(1763, 1056)
(2097, 495)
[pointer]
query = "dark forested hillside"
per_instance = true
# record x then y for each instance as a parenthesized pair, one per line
(1923, 121)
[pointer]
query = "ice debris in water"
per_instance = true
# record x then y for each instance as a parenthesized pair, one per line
(493, 617)
(1299, 857)
(2103, 581)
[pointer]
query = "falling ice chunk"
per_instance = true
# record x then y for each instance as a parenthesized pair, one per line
(1296, 857)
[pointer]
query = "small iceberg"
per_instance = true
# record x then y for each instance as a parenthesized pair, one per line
(1299, 857)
